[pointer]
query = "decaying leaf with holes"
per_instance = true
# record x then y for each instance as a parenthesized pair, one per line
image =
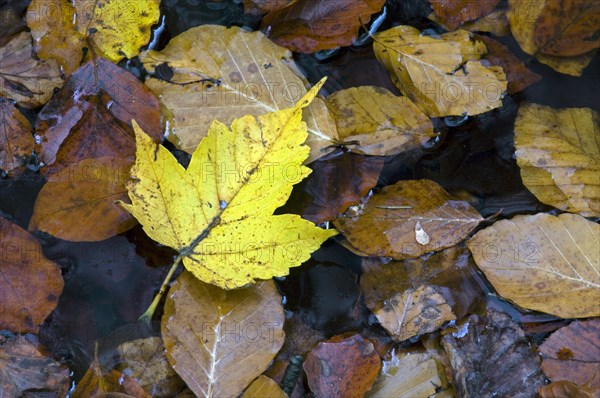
(221, 223)
(543, 262)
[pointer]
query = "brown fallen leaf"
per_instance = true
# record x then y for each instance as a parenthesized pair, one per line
(562, 389)
(523, 17)
(572, 353)
(30, 284)
(542, 262)
(454, 13)
(16, 140)
(10, 15)
(558, 153)
(336, 184)
(79, 202)
(517, 74)
(342, 367)
(495, 23)
(492, 357)
(91, 116)
(414, 375)
(263, 387)
(568, 27)
(407, 220)
(442, 76)
(218, 341)
(372, 121)
(445, 273)
(23, 78)
(147, 363)
(240, 73)
(25, 371)
(307, 26)
(262, 7)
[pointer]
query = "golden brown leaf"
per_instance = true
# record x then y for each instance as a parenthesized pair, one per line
(558, 152)
(373, 121)
(225, 73)
(495, 23)
(393, 222)
(16, 140)
(263, 387)
(542, 262)
(28, 81)
(218, 341)
(79, 203)
(572, 353)
(562, 389)
(307, 26)
(30, 285)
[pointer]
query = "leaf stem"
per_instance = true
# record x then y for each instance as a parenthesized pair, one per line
(147, 316)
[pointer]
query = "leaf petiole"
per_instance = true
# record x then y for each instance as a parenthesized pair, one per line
(147, 316)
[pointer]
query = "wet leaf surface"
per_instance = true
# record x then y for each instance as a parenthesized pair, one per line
(373, 121)
(30, 284)
(492, 357)
(393, 221)
(91, 116)
(16, 140)
(342, 367)
(25, 371)
(218, 341)
(558, 153)
(263, 387)
(454, 13)
(23, 78)
(572, 353)
(241, 73)
(306, 26)
(79, 203)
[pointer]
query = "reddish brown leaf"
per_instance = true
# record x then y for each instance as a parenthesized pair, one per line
(30, 284)
(25, 371)
(307, 26)
(16, 141)
(568, 27)
(79, 202)
(342, 367)
(492, 357)
(91, 116)
(338, 183)
(99, 384)
(262, 7)
(454, 13)
(572, 353)
(517, 74)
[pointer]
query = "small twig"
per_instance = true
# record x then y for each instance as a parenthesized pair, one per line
(147, 316)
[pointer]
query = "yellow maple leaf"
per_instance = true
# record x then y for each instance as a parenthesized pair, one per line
(218, 213)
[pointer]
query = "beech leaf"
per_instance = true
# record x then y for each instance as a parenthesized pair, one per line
(219, 212)
(16, 140)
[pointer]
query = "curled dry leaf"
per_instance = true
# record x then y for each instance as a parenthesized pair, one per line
(523, 17)
(386, 224)
(116, 28)
(442, 76)
(307, 26)
(30, 285)
(414, 375)
(336, 184)
(542, 262)
(213, 72)
(558, 152)
(372, 121)
(454, 13)
(25, 371)
(147, 363)
(218, 213)
(342, 367)
(79, 202)
(218, 341)
(572, 353)
(16, 140)
(28, 81)
(492, 357)
(264, 387)
(517, 74)
(91, 116)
